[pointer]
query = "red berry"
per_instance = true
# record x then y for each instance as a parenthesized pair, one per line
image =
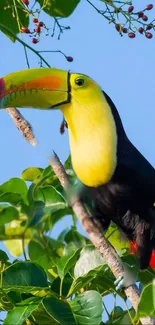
(118, 27)
(26, 2)
(124, 30)
(25, 30)
(149, 7)
(148, 27)
(69, 58)
(131, 35)
(40, 24)
(34, 40)
(140, 14)
(148, 35)
(131, 8)
(37, 29)
(35, 20)
(141, 30)
(145, 18)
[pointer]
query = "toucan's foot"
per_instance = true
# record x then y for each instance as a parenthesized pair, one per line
(119, 283)
(125, 281)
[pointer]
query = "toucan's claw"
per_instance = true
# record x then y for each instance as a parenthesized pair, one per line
(119, 283)
(126, 280)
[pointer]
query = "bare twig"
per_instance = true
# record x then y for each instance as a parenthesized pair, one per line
(23, 126)
(97, 238)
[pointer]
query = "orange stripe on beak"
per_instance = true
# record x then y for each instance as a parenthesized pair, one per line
(43, 83)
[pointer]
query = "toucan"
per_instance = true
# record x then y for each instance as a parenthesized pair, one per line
(119, 180)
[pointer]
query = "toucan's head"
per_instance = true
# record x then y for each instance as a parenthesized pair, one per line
(91, 125)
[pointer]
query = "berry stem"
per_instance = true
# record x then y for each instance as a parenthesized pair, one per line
(26, 56)
(55, 51)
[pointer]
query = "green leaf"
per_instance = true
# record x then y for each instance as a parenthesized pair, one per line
(15, 190)
(59, 310)
(74, 236)
(59, 8)
(43, 318)
(8, 214)
(47, 172)
(15, 246)
(114, 237)
(52, 199)
(31, 173)
(38, 254)
(3, 256)
(46, 256)
(87, 308)
(15, 297)
(55, 216)
(126, 320)
(66, 262)
(146, 305)
(48, 177)
(22, 311)
(68, 163)
(89, 259)
(5, 303)
(12, 198)
(94, 279)
(65, 286)
(53, 243)
(104, 282)
(146, 276)
(118, 316)
(24, 277)
(8, 18)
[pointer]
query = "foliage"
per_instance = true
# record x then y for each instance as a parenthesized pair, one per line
(61, 280)
(23, 16)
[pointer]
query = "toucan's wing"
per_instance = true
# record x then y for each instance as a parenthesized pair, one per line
(129, 156)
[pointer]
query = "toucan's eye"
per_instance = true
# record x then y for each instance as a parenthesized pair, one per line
(79, 82)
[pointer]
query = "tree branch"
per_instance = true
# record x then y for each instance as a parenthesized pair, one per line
(23, 126)
(97, 238)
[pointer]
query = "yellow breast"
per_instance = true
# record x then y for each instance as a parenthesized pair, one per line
(93, 139)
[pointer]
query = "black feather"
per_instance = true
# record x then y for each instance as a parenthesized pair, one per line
(127, 199)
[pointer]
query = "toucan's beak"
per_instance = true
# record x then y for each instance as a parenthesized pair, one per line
(38, 88)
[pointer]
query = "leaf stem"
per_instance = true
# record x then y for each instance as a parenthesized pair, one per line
(61, 284)
(24, 44)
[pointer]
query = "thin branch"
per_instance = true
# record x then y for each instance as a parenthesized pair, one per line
(24, 44)
(23, 126)
(26, 56)
(97, 238)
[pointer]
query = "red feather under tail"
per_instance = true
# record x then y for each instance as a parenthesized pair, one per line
(133, 250)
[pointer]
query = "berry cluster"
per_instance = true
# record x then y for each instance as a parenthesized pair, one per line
(37, 30)
(133, 19)
(35, 34)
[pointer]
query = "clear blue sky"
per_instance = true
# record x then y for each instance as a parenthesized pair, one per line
(123, 67)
